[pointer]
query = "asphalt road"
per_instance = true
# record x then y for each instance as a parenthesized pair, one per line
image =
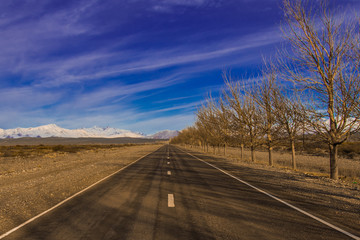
(175, 197)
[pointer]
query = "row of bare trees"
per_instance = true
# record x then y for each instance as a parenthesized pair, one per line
(248, 115)
(313, 87)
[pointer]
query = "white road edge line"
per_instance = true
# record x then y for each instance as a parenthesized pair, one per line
(168, 172)
(171, 202)
(280, 200)
(71, 197)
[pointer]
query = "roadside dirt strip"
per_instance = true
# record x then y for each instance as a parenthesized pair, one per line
(202, 198)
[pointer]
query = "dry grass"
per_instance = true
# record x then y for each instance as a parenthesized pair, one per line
(349, 169)
(41, 150)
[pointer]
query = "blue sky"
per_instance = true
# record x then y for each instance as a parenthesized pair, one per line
(142, 65)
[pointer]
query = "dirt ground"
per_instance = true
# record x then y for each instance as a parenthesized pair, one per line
(30, 185)
(349, 169)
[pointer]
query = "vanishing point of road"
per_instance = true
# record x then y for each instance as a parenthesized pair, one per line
(170, 194)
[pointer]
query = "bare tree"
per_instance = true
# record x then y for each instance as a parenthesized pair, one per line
(237, 132)
(290, 114)
(223, 115)
(203, 135)
(264, 95)
(232, 97)
(209, 116)
(184, 137)
(203, 123)
(246, 112)
(323, 59)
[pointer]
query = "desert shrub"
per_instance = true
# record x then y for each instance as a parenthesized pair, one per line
(39, 150)
(350, 150)
(58, 148)
(7, 153)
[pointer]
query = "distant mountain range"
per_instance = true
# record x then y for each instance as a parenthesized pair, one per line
(52, 130)
(166, 134)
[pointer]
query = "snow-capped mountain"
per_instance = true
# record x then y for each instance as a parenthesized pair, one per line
(110, 132)
(53, 130)
(166, 134)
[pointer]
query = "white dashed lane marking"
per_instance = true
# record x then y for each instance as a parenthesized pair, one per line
(171, 202)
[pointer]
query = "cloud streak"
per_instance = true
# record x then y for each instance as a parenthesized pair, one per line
(94, 66)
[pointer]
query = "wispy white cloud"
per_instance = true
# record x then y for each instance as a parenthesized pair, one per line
(184, 2)
(169, 6)
(27, 98)
(179, 121)
(105, 95)
(176, 99)
(28, 118)
(27, 39)
(188, 107)
(94, 66)
(25, 47)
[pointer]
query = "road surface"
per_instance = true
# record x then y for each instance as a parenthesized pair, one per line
(170, 194)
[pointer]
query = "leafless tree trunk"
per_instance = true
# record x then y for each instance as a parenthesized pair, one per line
(293, 161)
(303, 136)
(241, 152)
(238, 134)
(333, 158)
